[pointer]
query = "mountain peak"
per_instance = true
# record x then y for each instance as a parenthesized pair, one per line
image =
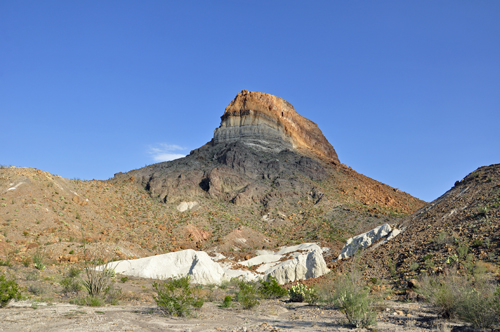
(261, 119)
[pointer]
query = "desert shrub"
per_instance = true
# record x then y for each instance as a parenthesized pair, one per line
(33, 275)
(97, 279)
(6, 262)
(462, 251)
(353, 299)
(441, 292)
(224, 284)
(414, 266)
(247, 295)
(480, 305)
(36, 289)
(123, 279)
(26, 261)
(475, 300)
(270, 289)
(38, 260)
(74, 272)
(175, 296)
(9, 290)
(113, 295)
(228, 300)
(92, 301)
(302, 293)
(70, 285)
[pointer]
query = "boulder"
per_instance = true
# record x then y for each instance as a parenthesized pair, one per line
(364, 240)
(185, 206)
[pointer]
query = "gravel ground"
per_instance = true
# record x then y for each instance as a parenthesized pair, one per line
(271, 315)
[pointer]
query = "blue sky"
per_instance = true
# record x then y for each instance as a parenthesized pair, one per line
(407, 92)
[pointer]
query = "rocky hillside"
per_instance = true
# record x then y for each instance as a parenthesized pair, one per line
(267, 178)
(462, 227)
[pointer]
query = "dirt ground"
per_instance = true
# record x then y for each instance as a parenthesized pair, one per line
(271, 315)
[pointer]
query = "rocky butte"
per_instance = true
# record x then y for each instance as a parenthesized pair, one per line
(267, 157)
(271, 122)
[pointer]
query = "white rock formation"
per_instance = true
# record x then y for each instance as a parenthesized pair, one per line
(305, 261)
(197, 264)
(302, 267)
(185, 206)
(364, 240)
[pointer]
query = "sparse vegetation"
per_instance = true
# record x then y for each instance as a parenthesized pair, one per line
(475, 300)
(228, 300)
(38, 260)
(302, 293)
(352, 297)
(270, 289)
(175, 296)
(70, 285)
(247, 295)
(9, 290)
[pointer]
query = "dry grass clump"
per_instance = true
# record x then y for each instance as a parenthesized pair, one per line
(474, 299)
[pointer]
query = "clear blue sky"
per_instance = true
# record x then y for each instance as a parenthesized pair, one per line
(407, 92)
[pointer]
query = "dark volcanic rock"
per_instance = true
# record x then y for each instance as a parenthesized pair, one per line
(232, 171)
(261, 142)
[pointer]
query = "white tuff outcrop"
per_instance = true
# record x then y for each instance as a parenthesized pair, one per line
(367, 239)
(305, 261)
(197, 264)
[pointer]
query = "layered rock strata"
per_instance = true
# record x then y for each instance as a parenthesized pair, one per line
(270, 122)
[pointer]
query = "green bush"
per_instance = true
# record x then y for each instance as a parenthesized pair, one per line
(270, 289)
(175, 296)
(9, 289)
(38, 260)
(353, 299)
(74, 272)
(70, 285)
(301, 293)
(6, 262)
(228, 300)
(247, 295)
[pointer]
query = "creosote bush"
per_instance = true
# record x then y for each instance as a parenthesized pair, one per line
(9, 290)
(352, 297)
(247, 295)
(270, 289)
(175, 296)
(228, 300)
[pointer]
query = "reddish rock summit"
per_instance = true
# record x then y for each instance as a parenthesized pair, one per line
(261, 119)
